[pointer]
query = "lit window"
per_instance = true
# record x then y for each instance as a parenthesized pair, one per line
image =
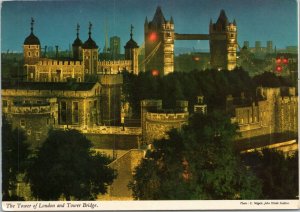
(38, 136)
(63, 112)
(22, 123)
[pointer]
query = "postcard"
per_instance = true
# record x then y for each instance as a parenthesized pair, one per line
(149, 105)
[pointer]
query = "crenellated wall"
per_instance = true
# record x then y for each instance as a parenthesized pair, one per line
(113, 66)
(277, 112)
(157, 122)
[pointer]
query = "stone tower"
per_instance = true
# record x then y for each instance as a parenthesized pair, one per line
(90, 55)
(159, 43)
(223, 43)
(131, 53)
(77, 46)
(32, 47)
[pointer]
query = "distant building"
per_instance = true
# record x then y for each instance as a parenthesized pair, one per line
(269, 47)
(115, 45)
(223, 50)
(159, 43)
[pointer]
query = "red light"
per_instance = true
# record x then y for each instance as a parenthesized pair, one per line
(278, 68)
(278, 60)
(153, 36)
(155, 72)
(285, 61)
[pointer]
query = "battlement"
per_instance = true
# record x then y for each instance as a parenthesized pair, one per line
(35, 109)
(114, 62)
(44, 62)
(167, 117)
(268, 93)
(287, 99)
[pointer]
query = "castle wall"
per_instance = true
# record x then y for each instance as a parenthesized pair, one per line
(114, 67)
(276, 114)
(157, 125)
(57, 71)
(36, 111)
(157, 122)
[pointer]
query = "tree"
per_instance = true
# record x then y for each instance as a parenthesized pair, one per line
(14, 156)
(65, 166)
(279, 174)
(199, 162)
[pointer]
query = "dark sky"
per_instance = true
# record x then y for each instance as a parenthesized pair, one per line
(55, 21)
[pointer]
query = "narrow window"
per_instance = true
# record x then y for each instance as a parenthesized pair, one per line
(22, 123)
(63, 112)
(75, 112)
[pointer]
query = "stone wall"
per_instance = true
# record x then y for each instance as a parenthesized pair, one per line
(157, 125)
(125, 167)
(113, 67)
(114, 141)
(47, 70)
(276, 113)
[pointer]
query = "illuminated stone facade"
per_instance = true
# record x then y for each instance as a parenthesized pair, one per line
(84, 62)
(156, 122)
(159, 43)
(36, 107)
(275, 112)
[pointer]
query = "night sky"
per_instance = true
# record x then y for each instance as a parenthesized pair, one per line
(55, 21)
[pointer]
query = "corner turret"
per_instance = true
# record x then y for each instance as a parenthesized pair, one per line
(131, 53)
(90, 54)
(31, 47)
(77, 46)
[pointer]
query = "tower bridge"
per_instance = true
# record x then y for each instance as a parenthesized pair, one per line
(160, 37)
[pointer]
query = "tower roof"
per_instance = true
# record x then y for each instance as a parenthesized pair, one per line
(131, 44)
(32, 39)
(222, 18)
(90, 43)
(158, 18)
(77, 41)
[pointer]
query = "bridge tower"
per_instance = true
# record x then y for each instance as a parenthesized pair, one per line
(159, 43)
(223, 43)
